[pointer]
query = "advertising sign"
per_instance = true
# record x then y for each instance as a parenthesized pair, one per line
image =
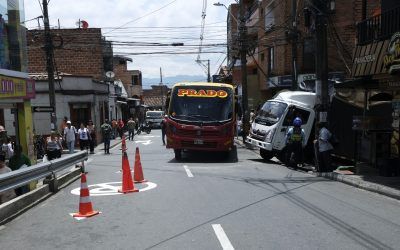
(11, 87)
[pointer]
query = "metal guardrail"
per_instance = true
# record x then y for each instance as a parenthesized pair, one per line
(36, 172)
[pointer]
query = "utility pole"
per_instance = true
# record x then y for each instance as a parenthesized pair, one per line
(293, 36)
(243, 65)
(321, 60)
(49, 62)
(208, 71)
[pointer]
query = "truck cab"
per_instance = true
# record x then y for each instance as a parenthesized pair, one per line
(154, 118)
(269, 128)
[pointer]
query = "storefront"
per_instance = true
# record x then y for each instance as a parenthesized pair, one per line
(16, 90)
(15, 109)
(376, 70)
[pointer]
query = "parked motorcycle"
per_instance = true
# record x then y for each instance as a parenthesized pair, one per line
(145, 128)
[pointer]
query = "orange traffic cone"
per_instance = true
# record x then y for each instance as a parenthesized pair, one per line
(85, 205)
(123, 145)
(127, 183)
(138, 171)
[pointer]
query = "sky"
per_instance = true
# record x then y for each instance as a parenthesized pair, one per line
(134, 25)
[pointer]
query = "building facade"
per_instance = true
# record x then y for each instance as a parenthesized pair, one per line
(376, 85)
(17, 89)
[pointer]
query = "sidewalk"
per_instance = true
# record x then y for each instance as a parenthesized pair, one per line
(369, 180)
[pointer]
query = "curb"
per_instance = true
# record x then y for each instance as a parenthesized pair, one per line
(347, 179)
(372, 187)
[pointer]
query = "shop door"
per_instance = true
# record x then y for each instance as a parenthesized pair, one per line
(80, 113)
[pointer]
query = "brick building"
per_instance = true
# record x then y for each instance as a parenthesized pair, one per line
(269, 60)
(80, 52)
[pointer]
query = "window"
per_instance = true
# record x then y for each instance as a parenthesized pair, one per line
(294, 112)
(269, 17)
(271, 59)
(135, 80)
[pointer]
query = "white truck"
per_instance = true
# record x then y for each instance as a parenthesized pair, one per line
(154, 118)
(269, 128)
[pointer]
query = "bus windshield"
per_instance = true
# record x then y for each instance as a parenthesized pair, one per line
(204, 104)
(270, 113)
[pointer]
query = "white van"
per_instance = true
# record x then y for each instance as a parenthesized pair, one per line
(154, 118)
(268, 131)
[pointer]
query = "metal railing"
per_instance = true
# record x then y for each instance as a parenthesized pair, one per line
(39, 171)
(379, 27)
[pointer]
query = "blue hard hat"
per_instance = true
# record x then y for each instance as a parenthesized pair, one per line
(297, 122)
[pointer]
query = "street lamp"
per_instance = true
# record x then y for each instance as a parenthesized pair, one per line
(230, 13)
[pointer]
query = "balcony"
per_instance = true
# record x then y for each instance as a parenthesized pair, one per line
(380, 27)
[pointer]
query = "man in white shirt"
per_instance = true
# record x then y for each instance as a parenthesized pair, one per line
(69, 136)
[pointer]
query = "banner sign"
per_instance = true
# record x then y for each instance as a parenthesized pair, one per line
(11, 87)
(202, 93)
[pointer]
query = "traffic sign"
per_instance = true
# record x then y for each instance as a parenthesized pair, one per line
(46, 109)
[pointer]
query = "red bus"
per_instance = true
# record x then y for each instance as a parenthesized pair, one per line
(201, 116)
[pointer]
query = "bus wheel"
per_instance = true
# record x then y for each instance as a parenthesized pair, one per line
(178, 154)
(266, 155)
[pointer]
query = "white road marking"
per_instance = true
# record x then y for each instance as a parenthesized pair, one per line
(189, 174)
(2, 227)
(147, 142)
(111, 188)
(223, 239)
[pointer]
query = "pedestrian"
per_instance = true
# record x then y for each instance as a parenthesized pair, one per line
(131, 128)
(163, 128)
(84, 137)
(69, 137)
(18, 161)
(7, 149)
(63, 125)
(120, 127)
(252, 116)
(53, 146)
(114, 125)
(106, 130)
(295, 141)
(9, 194)
(325, 148)
(92, 133)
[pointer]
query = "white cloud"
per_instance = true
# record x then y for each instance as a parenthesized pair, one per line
(115, 13)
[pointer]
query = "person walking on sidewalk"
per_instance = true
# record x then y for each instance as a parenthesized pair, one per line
(106, 130)
(120, 127)
(131, 128)
(69, 136)
(92, 133)
(84, 137)
(324, 148)
(114, 125)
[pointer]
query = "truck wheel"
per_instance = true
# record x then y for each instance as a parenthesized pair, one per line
(266, 155)
(178, 154)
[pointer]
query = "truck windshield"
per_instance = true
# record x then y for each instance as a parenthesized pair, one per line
(270, 113)
(154, 114)
(205, 104)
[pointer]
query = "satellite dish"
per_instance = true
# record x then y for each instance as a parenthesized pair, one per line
(110, 74)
